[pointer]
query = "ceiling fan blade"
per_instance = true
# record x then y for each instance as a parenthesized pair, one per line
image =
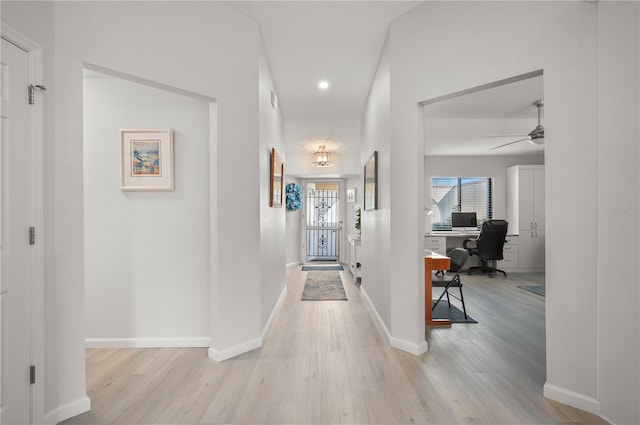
(510, 143)
(504, 135)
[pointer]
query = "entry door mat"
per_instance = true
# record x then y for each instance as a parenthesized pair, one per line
(444, 311)
(321, 268)
(323, 286)
(537, 289)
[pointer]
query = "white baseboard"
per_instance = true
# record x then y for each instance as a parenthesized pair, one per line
(51, 418)
(409, 347)
(571, 398)
(147, 342)
(281, 298)
(68, 410)
(227, 353)
(295, 263)
(398, 343)
(376, 316)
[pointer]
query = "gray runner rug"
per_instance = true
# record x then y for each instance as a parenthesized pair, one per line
(323, 285)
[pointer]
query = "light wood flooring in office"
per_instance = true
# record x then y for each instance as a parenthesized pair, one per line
(325, 362)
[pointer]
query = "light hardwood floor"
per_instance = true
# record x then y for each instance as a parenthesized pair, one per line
(325, 362)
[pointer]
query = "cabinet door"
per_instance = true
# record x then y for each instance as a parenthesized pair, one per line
(531, 249)
(538, 198)
(526, 250)
(538, 248)
(525, 188)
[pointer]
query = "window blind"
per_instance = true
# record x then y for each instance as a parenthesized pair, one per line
(463, 194)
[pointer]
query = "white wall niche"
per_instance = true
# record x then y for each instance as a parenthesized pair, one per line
(147, 254)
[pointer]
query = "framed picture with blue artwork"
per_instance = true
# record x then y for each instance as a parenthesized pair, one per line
(146, 160)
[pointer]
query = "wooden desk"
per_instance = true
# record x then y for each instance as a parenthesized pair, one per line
(433, 261)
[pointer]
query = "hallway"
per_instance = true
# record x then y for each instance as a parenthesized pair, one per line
(326, 363)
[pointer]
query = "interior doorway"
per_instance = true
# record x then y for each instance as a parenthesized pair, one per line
(322, 221)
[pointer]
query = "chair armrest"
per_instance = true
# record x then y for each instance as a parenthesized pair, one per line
(466, 242)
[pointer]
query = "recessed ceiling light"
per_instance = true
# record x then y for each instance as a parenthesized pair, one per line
(323, 85)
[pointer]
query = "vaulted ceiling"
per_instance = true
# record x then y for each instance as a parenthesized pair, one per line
(340, 42)
(336, 41)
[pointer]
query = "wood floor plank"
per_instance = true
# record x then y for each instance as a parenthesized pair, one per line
(326, 362)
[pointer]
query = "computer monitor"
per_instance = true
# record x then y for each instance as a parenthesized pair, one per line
(464, 221)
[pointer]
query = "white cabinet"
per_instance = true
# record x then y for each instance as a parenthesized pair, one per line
(436, 244)
(354, 268)
(525, 213)
(532, 249)
(510, 254)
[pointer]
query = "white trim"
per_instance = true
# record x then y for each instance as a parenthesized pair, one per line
(72, 409)
(51, 418)
(19, 39)
(572, 398)
(378, 320)
(295, 263)
(225, 354)
(34, 52)
(147, 342)
(281, 298)
(516, 271)
(398, 343)
(245, 347)
(409, 347)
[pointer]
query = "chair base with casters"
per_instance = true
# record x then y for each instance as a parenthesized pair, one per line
(458, 257)
(485, 268)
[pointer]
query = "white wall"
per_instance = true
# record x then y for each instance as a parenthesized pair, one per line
(375, 225)
(194, 33)
(477, 166)
(146, 253)
(294, 227)
(272, 220)
(565, 46)
(182, 45)
(349, 219)
(425, 68)
(618, 331)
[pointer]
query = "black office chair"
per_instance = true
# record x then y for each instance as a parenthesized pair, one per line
(458, 258)
(488, 246)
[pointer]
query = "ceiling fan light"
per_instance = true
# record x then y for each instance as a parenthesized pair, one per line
(536, 137)
(536, 140)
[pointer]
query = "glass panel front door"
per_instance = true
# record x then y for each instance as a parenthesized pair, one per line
(322, 221)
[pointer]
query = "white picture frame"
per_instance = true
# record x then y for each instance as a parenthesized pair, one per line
(351, 195)
(146, 160)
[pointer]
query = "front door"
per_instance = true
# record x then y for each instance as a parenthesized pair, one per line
(15, 259)
(322, 221)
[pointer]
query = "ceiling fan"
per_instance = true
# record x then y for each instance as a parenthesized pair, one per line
(536, 136)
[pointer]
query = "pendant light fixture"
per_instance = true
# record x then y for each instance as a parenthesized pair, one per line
(322, 158)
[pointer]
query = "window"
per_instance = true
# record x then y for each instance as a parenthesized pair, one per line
(465, 194)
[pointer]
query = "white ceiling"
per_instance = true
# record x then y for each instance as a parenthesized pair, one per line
(474, 123)
(341, 41)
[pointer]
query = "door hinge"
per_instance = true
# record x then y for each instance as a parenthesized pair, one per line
(32, 374)
(32, 92)
(32, 235)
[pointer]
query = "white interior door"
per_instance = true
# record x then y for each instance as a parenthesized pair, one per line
(15, 259)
